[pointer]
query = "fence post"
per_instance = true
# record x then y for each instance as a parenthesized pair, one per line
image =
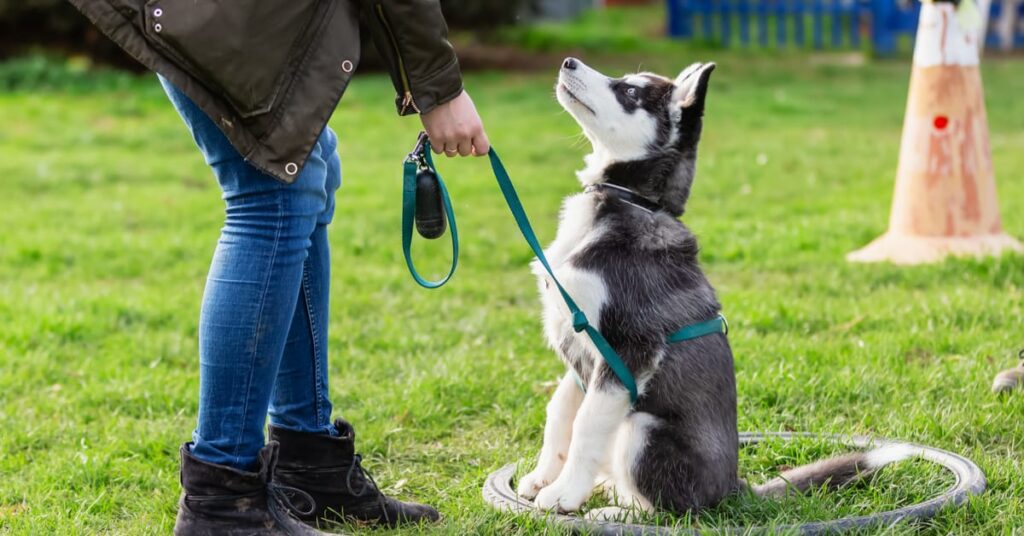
(705, 20)
(762, 24)
(744, 9)
(837, 24)
(856, 15)
(679, 19)
(798, 23)
(883, 39)
(780, 24)
(725, 21)
(818, 10)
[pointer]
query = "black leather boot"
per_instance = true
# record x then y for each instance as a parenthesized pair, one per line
(329, 470)
(223, 501)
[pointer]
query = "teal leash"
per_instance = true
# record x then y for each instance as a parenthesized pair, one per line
(579, 319)
(421, 156)
(717, 324)
(420, 159)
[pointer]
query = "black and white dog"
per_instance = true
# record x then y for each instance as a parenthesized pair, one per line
(631, 265)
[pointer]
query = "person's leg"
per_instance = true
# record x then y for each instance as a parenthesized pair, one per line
(316, 456)
(263, 331)
(301, 402)
(227, 473)
(251, 292)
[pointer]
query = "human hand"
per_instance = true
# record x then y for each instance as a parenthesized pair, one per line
(455, 128)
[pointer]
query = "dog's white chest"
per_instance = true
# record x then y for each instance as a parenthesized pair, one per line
(576, 230)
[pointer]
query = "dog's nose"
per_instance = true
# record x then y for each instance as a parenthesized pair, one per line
(569, 64)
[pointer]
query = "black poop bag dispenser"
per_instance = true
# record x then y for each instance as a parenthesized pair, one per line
(429, 216)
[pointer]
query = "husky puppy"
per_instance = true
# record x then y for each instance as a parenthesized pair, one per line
(631, 265)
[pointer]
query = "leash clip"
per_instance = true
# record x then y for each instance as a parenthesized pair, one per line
(417, 156)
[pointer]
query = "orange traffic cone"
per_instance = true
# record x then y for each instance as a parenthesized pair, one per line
(945, 201)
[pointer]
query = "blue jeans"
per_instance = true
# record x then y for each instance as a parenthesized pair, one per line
(263, 325)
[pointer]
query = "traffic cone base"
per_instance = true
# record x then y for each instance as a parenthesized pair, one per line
(907, 249)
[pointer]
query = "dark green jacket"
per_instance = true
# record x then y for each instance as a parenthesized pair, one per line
(270, 72)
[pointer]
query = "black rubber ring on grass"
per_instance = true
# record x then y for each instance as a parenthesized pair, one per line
(970, 480)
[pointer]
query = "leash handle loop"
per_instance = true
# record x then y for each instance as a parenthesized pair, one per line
(421, 157)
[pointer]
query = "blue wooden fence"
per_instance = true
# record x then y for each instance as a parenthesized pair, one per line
(835, 24)
(992, 39)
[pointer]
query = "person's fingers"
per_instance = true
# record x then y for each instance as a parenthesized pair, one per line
(465, 147)
(451, 149)
(481, 145)
(436, 145)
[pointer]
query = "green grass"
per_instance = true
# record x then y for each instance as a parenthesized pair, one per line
(109, 218)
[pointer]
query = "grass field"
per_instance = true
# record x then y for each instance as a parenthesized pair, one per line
(109, 218)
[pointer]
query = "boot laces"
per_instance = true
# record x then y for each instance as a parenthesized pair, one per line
(286, 496)
(367, 480)
(368, 483)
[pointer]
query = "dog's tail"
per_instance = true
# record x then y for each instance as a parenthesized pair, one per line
(834, 472)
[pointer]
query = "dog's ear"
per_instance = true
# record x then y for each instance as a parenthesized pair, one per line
(692, 85)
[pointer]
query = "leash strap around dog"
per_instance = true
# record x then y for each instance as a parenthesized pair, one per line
(717, 324)
(421, 157)
(579, 319)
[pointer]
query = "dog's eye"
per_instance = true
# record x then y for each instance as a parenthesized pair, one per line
(631, 91)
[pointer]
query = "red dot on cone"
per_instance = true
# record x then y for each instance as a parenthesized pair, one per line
(940, 122)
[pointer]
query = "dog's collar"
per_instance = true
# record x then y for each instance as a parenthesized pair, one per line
(626, 195)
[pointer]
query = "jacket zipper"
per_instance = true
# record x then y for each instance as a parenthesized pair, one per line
(407, 98)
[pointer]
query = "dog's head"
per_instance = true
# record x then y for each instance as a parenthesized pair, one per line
(644, 128)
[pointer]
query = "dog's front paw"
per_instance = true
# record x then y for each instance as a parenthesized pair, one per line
(563, 496)
(536, 480)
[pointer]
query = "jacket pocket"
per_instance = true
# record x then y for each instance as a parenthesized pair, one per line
(244, 50)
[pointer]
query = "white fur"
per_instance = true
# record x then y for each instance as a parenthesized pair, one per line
(561, 411)
(644, 378)
(630, 442)
(576, 230)
(614, 133)
(640, 79)
(599, 417)
(882, 456)
(686, 83)
(588, 291)
(593, 170)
